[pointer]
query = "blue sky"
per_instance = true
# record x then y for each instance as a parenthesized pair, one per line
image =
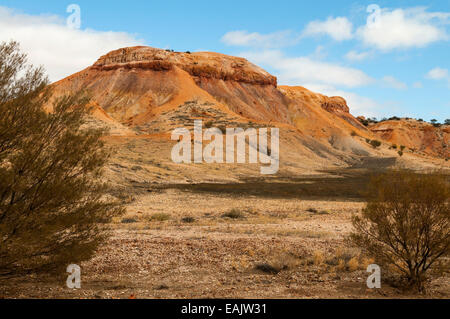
(392, 60)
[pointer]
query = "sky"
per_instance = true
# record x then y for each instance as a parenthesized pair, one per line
(386, 58)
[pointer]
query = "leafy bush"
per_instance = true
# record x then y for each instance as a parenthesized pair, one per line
(52, 203)
(406, 223)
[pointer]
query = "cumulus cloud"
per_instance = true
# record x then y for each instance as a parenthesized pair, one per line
(403, 28)
(392, 82)
(339, 28)
(318, 76)
(255, 39)
(295, 70)
(437, 74)
(60, 49)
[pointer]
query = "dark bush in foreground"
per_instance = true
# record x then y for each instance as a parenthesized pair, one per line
(406, 223)
(52, 203)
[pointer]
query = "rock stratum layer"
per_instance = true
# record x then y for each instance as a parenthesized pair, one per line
(146, 92)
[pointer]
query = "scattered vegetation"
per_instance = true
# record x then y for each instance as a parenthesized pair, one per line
(405, 225)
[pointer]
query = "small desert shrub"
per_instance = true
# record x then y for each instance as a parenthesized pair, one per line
(188, 219)
(315, 211)
(353, 133)
(279, 261)
(318, 258)
(406, 223)
(128, 221)
(400, 153)
(159, 217)
(234, 214)
(394, 146)
(344, 259)
(267, 268)
(375, 143)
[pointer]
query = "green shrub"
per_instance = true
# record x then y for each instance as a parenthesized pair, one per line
(405, 224)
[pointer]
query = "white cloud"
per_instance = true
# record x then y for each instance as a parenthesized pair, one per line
(392, 82)
(255, 39)
(404, 28)
(61, 50)
(318, 76)
(339, 28)
(356, 56)
(437, 74)
(304, 69)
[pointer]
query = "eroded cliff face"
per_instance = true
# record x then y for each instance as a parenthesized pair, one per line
(417, 136)
(201, 64)
(133, 84)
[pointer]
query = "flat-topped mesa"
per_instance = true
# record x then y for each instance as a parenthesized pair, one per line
(198, 64)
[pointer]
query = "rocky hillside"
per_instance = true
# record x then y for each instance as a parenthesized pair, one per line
(133, 85)
(418, 136)
(143, 93)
